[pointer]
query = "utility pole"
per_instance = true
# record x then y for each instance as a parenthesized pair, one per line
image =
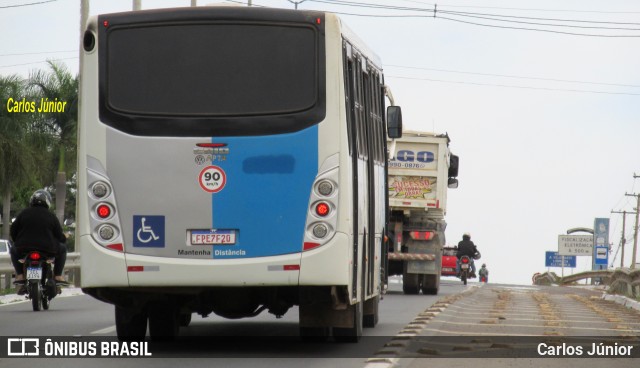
(635, 232)
(623, 240)
(137, 4)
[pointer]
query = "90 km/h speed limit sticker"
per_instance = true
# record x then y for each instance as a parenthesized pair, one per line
(212, 179)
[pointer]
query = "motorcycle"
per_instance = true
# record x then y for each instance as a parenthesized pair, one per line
(39, 281)
(465, 269)
(483, 279)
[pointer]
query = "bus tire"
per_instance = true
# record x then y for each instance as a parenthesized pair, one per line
(185, 319)
(163, 323)
(371, 312)
(351, 334)
(314, 334)
(131, 325)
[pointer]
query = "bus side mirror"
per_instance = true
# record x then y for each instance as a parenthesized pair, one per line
(453, 183)
(394, 122)
(454, 163)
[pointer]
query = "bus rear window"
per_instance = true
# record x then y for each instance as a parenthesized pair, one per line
(212, 70)
(207, 71)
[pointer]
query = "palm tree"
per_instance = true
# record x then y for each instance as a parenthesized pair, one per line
(19, 146)
(58, 83)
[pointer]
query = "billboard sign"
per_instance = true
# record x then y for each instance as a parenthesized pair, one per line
(575, 245)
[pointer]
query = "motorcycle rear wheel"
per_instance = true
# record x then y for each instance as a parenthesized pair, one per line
(35, 292)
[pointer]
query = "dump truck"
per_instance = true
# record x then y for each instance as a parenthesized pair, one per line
(421, 169)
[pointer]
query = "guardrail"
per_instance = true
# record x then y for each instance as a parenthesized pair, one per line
(623, 281)
(72, 267)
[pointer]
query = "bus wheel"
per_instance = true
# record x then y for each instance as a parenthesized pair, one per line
(185, 319)
(314, 334)
(371, 312)
(131, 325)
(351, 334)
(163, 323)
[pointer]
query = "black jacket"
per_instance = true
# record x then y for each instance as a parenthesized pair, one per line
(466, 248)
(36, 228)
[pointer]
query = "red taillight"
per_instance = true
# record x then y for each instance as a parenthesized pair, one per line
(464, 260)
(422, 235)
(34, 256)
(105, 23)
(103, 211)
(322, 209)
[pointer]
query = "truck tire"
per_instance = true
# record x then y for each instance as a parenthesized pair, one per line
(430, 284)
(410, 283)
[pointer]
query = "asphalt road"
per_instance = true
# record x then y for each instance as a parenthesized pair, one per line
(272, 342)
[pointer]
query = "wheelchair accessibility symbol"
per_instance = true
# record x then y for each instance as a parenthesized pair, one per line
(148, 231)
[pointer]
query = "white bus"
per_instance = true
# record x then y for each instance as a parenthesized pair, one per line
(232, 160)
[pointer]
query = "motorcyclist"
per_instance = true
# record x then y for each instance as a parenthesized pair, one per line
(466, 248)
(36, 228)
(484, 272)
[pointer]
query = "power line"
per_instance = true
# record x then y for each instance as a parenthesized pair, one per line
(487, 17)
(512, 86)
(21, 5)
(514, 76)
(539, 30)
(524, 9)
(38, 62)
(496, 18)
(39, 53)
(535, 18)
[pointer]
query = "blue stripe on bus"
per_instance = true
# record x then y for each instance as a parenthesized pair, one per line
(266, 195)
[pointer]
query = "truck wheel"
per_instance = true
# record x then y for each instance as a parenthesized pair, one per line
(351, 334)
(131, 325)
(430, 284)
(410, 283)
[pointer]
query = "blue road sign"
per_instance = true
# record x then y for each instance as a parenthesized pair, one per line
(553, 259)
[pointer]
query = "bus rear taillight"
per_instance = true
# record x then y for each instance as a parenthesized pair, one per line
(323, 207)
(104, 211)
(104, 219)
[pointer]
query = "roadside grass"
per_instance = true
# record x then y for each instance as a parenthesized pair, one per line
(8, 291)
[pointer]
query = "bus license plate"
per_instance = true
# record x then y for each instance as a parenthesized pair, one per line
(34, 273)
(213, 237)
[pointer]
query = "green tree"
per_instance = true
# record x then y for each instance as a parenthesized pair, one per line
(58, 83)
(20, 145)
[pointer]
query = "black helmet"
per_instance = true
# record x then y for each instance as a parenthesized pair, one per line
(40, 198)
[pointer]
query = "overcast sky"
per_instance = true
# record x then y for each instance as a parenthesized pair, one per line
(546, 124)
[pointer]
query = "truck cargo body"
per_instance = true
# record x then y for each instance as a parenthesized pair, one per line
(421, 168)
